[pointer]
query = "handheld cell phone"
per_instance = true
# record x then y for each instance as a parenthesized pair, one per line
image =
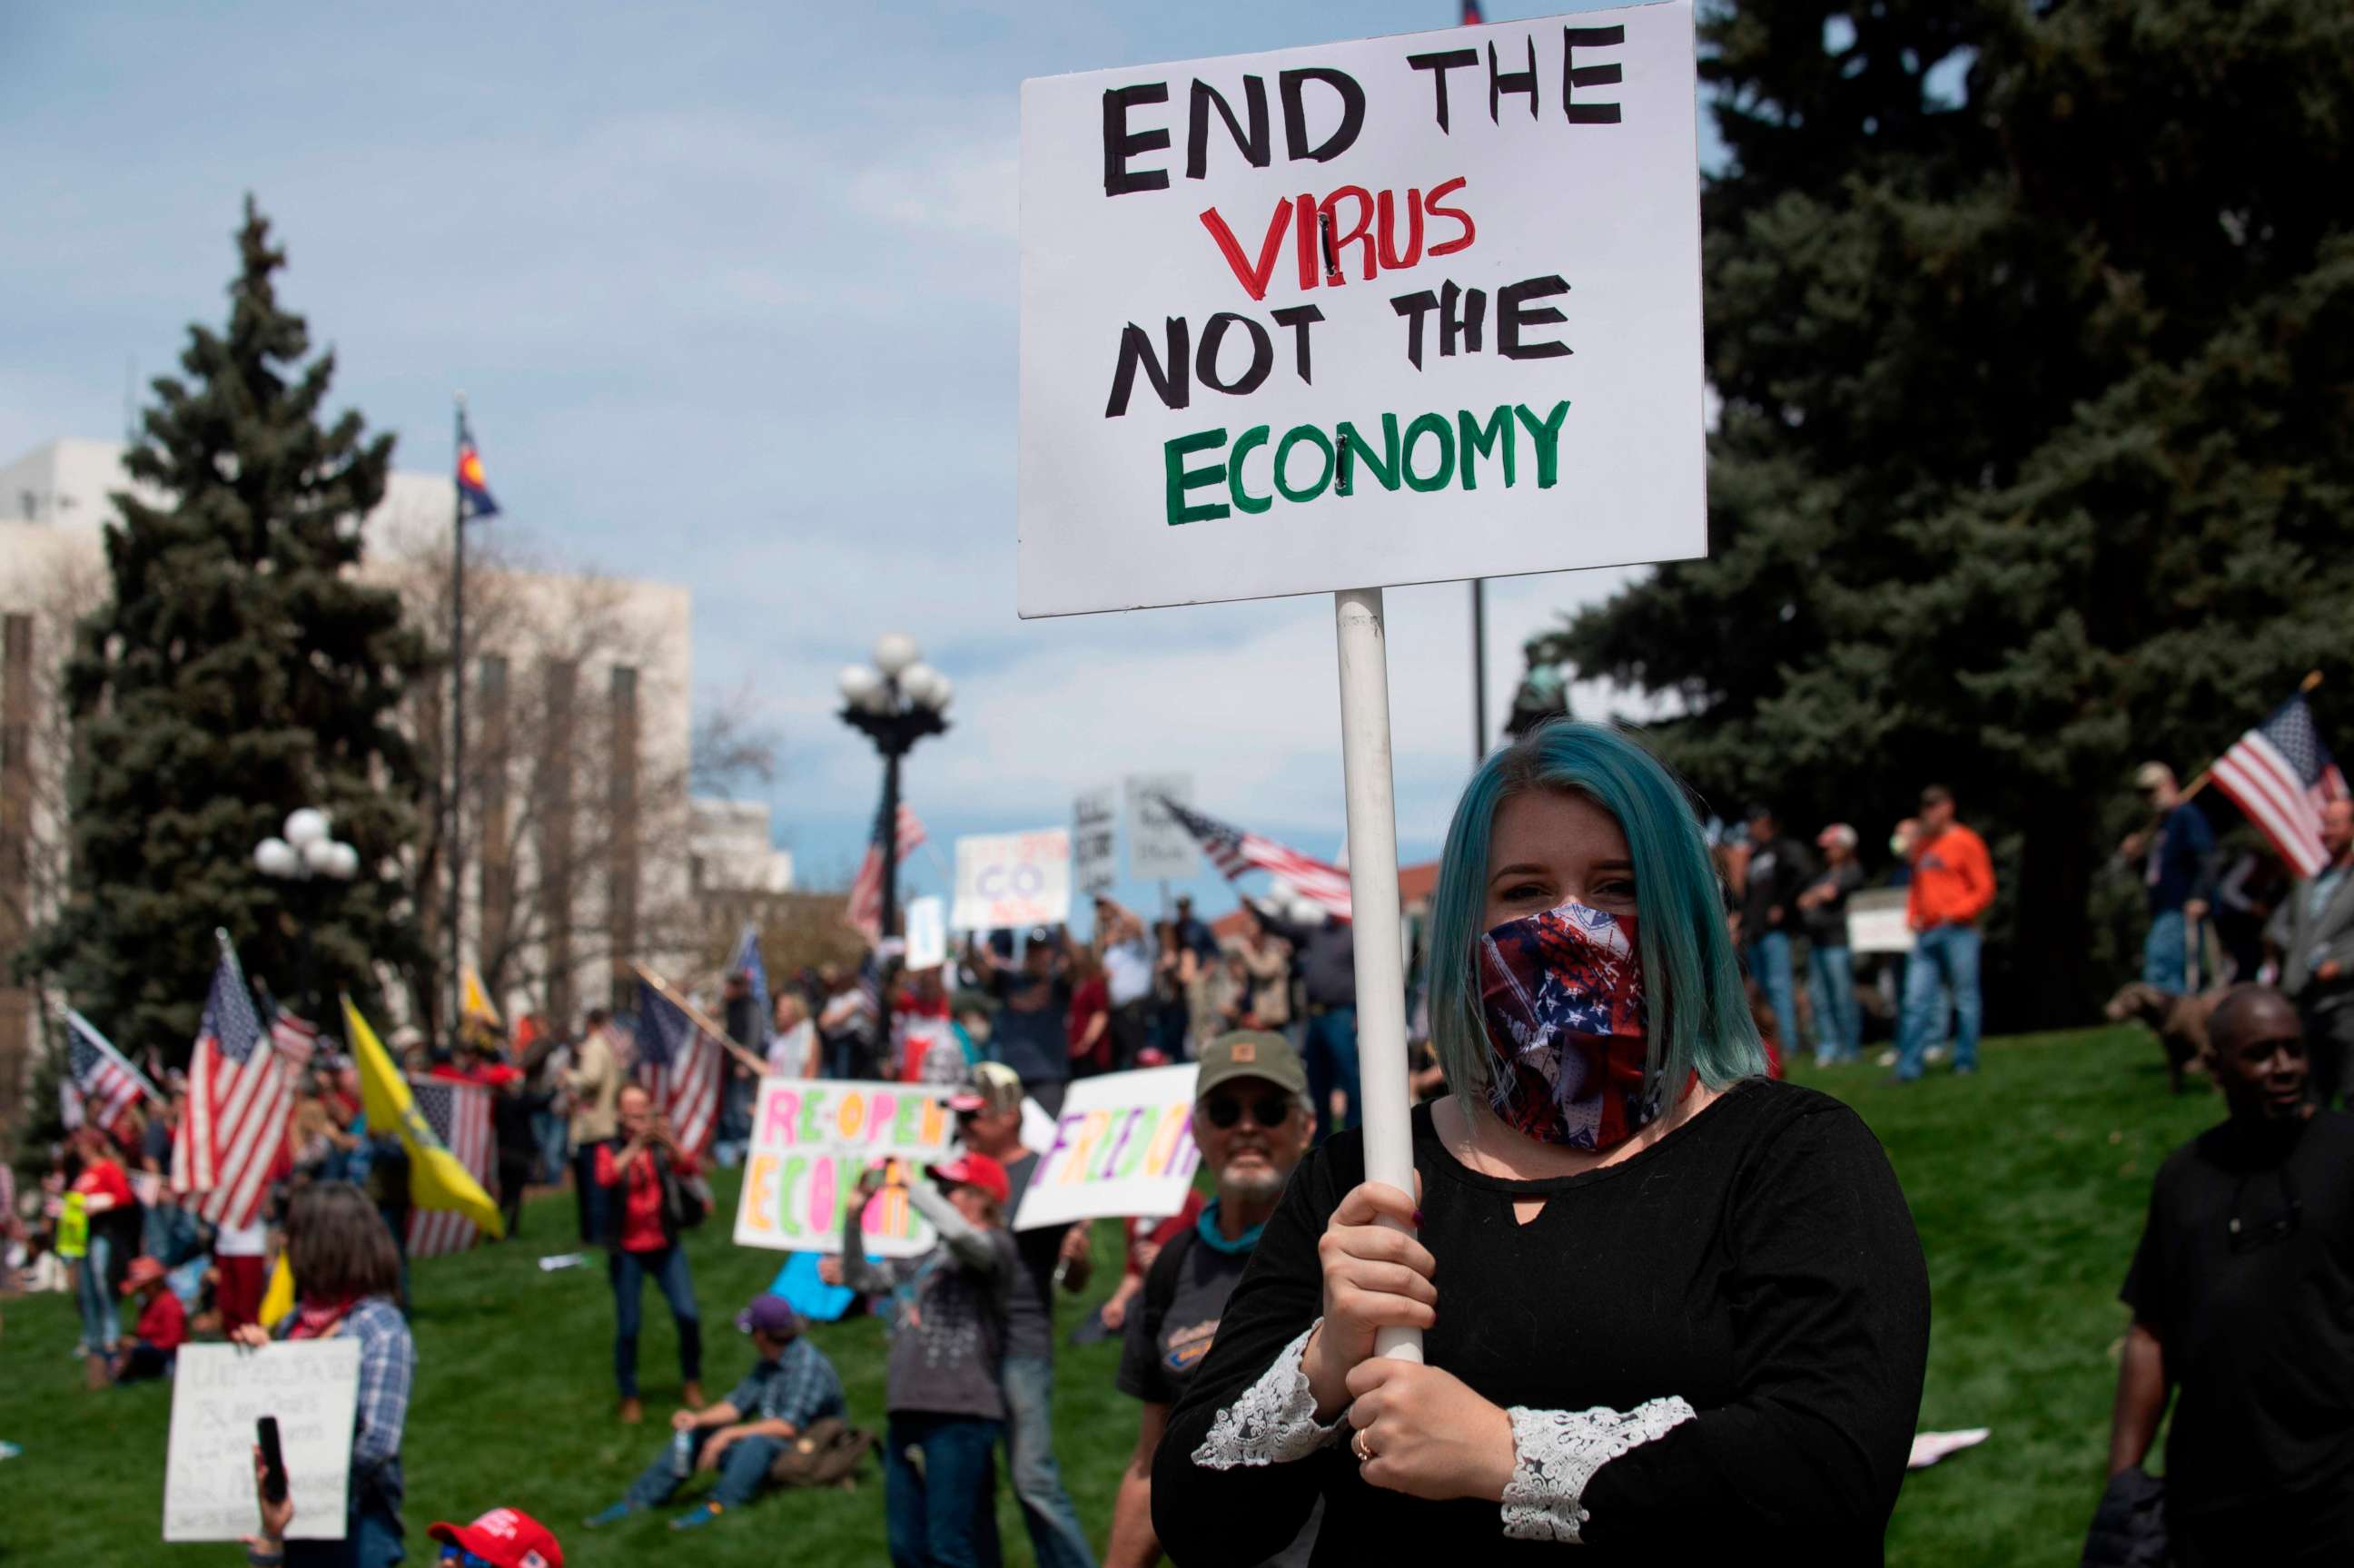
(273, 1460)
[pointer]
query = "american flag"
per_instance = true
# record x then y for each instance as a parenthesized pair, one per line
(459, 1114)
(682, 1066)
(748, 963)
(100, 1084)
(1234, 852)
(866, 889)
(2281, 774)
(232, 1142)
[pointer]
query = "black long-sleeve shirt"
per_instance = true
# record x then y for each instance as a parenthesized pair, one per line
(1759, 1262)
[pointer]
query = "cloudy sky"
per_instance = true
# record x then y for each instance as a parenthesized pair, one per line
(732, 292)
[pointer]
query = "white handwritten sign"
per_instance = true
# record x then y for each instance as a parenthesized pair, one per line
(1405, 310)
(1123, 1145)
(218, 1392)
(1005, 880)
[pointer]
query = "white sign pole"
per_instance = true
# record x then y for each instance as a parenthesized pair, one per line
(1373, 901)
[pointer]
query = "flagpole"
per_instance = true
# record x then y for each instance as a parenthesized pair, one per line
(457, 709)
(701, 1019)
(1370, 793)
(2207, 774)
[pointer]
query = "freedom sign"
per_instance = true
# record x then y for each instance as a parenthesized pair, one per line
(1013, 879)
(1123, 1145)
(218, 1392)
(1400, 311)
(811, 1140)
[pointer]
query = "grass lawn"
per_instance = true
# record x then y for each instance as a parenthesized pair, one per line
(2028, 1183)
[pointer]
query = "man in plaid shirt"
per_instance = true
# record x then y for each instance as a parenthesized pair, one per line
(793, 1386)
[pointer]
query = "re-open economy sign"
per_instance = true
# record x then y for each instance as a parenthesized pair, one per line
(1399, 311)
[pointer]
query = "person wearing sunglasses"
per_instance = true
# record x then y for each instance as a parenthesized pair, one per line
(1252, 1122)
(1671, 1311)
(2243, 1298)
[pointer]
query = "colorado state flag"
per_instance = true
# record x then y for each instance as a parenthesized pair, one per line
(473, 487)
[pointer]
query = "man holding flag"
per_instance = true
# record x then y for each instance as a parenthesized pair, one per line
(438, 1182)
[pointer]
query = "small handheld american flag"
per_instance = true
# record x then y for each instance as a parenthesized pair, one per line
(100, 1084)
(684, 1067)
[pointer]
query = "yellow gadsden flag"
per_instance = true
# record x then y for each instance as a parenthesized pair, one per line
(473, 1000)
(435, 1178)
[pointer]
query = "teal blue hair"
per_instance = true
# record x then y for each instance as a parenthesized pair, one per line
(1698, 1011)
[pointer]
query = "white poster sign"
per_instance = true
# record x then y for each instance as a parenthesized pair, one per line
(1876, 922)
(1158, 847)
(811, 1140)
(927, 933)
(1007, 880)
(1095, 841)
(1404, 309)
(218, 1392)
(1123, 1145)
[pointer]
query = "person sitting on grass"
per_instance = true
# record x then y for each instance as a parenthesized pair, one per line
(162, 1324)
(792, 1386)
(940, 1386)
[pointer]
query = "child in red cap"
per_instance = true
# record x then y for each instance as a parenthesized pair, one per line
(162, 1324)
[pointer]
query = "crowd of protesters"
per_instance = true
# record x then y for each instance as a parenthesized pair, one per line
(1266, 1005)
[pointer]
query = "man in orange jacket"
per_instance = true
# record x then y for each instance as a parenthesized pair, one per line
(1953, 883)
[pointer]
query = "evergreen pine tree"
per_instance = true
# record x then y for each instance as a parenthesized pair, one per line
(2032, 460)
(241, 670)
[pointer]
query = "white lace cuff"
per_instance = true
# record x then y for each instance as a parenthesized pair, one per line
(1556, 1452)
(1273, 1421)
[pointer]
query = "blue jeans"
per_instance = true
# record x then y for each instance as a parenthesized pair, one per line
(743, 1472)
(101, 1315)
(2164, 953)
(944, 1513)
(668, 1270)
(371, 1539)
(1769, 966)
(1839, 1026)
(1330, 1051)
(549, 1129)
(1055, 1536)
(1949, 953)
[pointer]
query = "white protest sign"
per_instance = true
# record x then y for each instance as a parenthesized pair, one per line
(1877, 921)
(1398, 311)
(1123, 1145)
(811, 1140)
(1013, 879)
(1095, 843)
(1158, 847)
(218, 1392)
(927, 933)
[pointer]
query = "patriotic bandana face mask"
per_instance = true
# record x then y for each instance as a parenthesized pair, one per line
(1562, 995)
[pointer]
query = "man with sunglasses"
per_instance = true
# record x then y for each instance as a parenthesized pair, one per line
(1252, 1122)
(2242, 1297)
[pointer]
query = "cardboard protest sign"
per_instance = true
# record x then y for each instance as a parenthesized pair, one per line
(1158, 847)
(1404, 309)
(811, 1139)
(218, 1392)
(1095, 843)
(1007, 880)
(1123, 1145)
(927, 933)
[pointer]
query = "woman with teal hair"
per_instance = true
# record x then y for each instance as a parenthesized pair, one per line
(1671, 1309)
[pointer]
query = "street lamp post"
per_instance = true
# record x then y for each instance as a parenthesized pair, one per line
(894, 703)
(306, 850)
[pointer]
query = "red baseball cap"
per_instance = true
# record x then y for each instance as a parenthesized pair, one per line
(507, 1537)
(977, 1171)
